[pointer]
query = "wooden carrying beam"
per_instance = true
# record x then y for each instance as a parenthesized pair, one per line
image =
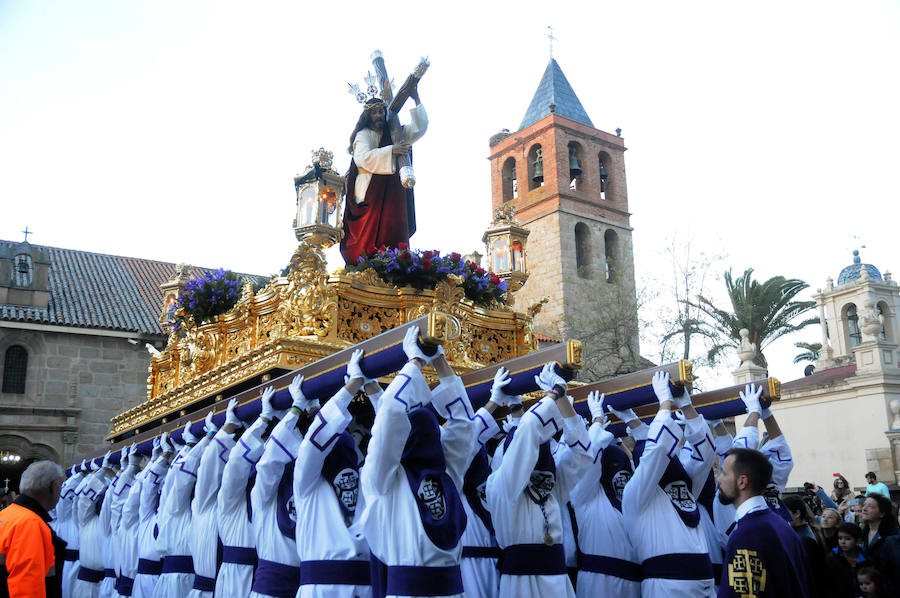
(522, 370)
(715, 404)
(383, 355)
(635, 389)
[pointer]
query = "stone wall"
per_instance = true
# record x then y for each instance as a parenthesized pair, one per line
(837, 429)
(75, 383)
(544, 257)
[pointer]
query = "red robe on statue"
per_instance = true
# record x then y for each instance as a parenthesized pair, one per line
(383, 218)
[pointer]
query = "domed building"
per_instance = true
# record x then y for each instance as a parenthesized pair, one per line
(845, 416)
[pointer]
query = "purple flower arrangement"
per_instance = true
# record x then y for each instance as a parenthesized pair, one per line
(402, 266)
(205, 297)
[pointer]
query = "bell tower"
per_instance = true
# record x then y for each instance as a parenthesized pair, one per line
(565, 180)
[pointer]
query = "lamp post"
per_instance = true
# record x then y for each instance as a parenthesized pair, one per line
(320, 192)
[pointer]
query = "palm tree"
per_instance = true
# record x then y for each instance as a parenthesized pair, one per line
(811, 352)
(766, 309)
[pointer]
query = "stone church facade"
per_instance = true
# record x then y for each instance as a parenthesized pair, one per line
(74, 326)
(845, 416)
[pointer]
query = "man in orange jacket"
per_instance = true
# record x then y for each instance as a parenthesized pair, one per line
(26, 548)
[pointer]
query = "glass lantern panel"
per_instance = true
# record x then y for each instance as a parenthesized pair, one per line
(518, 261)
(308, 207)
(500, 256)
(329, 205)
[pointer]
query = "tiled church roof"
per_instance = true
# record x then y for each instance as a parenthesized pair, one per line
(554, 89)
(96, 290)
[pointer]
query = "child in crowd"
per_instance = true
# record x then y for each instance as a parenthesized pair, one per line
(844, 561)
(871, 583)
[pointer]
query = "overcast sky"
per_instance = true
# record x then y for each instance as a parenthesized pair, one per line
(767, 131)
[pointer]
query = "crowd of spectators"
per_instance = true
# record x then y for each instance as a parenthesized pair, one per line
(852, 539)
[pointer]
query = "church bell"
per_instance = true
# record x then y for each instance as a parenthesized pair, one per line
(574, 166)
(603, 174)
(538, 176)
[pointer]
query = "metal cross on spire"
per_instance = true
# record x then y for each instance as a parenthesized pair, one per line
(27, 232)
(551, 38)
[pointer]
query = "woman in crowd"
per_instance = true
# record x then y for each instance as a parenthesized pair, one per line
(878, 519)
(830, 521)
(842, 490)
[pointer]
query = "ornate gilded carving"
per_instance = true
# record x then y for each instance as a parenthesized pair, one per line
(308, 315)
(368, 277)
(307, 303)
(358, 321)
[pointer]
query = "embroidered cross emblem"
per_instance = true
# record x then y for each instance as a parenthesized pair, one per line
(746, 574)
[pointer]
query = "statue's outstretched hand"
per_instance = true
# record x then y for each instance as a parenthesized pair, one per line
(398, 149)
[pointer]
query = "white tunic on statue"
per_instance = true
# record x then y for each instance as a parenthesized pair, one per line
(371, 159)
(204, 538)
(480, 576)
(151, 488)
(91, 539)
(175, 521)
(391, 519)
(518, 519)
(233, 513)
(322, 534)
(281, 449)
(652, 523)
(601, 528)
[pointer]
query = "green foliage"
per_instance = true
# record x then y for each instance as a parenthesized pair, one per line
(811, 352)
(767, 309)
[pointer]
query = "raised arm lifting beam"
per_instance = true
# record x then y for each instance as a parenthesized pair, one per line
(383, 356)
(715, 404)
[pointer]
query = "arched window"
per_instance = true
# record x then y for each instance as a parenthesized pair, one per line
(508, 176)
(583, 250)
(605, 175)
(576, 168)
(15, 363)
(535, 167)
(611, 251)
(853, 331)
(23, 269)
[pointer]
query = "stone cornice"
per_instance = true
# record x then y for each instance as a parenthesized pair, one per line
(77, 330)
(41, 411)
(526, 221)
(19, 428)
(559, 122)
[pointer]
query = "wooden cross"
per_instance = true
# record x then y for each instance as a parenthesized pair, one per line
(551, 38)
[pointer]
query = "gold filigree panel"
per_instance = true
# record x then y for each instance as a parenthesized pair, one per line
(358, 322)
(486, 345)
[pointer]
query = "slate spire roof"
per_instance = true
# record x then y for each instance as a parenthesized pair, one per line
(96, 290)
(554, 89)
